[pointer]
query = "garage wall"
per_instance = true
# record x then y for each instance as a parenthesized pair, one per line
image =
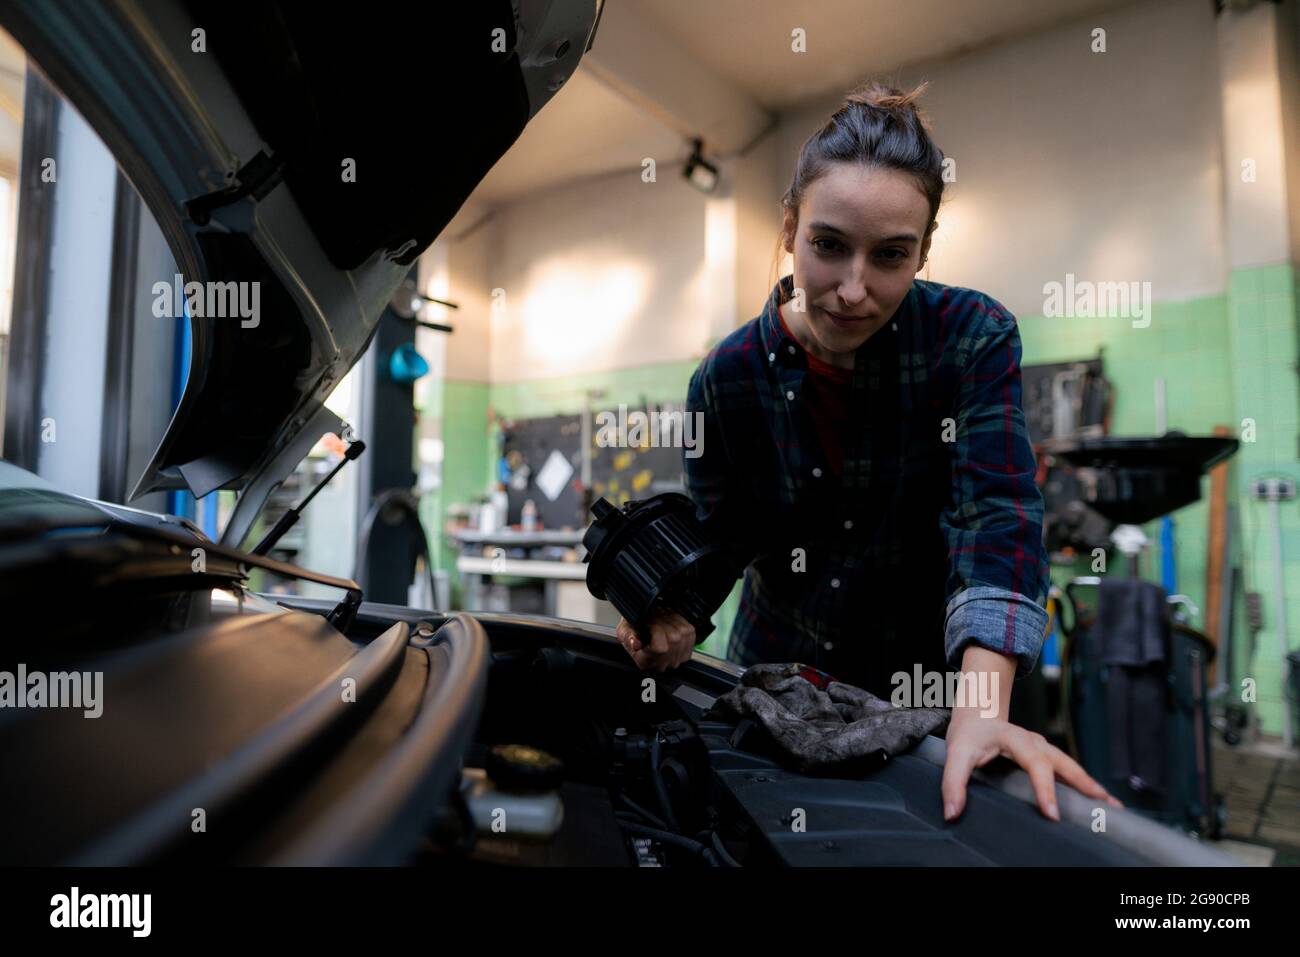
(1103, 164)
(607, 274)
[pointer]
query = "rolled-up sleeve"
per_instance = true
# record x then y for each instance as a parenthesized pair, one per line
(998, 571)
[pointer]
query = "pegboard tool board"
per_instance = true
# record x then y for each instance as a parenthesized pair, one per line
(620, 470)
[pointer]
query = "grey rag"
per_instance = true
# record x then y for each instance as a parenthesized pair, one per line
(818, 722)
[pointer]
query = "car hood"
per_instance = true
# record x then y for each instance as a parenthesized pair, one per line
(307, 157)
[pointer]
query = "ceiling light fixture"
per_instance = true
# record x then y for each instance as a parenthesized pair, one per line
(702, 174)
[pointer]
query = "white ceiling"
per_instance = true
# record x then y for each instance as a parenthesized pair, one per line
(612, 114)
(585, 130)
(747, 42)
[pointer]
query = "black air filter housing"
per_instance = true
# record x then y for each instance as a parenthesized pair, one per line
(653, 555)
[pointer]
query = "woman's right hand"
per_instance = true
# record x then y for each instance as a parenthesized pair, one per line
(672, 640)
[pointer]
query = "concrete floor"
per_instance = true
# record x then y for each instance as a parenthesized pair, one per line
(1260, 784)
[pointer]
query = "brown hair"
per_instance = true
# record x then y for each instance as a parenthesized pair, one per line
(876, 125)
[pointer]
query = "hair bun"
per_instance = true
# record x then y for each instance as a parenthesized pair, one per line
(889, 99)
(876, 125)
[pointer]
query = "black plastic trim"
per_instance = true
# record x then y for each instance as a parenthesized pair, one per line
(151, 832)
(385, 815)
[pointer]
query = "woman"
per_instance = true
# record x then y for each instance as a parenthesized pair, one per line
(865, 454)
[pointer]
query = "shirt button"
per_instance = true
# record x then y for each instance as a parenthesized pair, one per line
(835, 583)
(789, 395)
(771, 357)
(817, 473)
(791, 348)
(848, 523)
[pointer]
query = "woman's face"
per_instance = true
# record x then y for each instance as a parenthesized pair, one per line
(857, 246)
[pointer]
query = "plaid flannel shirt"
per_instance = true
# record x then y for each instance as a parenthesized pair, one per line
(931, 537)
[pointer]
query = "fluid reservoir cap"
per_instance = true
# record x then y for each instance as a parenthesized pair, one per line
(517, 767)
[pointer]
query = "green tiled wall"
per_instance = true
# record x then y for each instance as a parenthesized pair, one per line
(463, 407)
(563, 395)
(1264, 324)
(1223, 358)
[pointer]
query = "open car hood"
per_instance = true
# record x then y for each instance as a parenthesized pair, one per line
(315, 154)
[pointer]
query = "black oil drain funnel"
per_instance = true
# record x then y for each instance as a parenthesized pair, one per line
(653, 554)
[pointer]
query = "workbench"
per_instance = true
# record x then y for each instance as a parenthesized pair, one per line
(565, 593)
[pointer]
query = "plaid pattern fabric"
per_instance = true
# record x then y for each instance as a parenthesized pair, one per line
(930, 539)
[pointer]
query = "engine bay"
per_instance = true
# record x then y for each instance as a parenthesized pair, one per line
(409, 737)
(651, 779)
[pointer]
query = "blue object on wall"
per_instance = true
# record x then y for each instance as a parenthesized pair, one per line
(208, 515)
(1051, 654)
(179, 501)
(407, 365)
(1168, 565)
(503, 464)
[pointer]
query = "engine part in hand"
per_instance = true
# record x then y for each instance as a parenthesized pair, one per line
(654, 554)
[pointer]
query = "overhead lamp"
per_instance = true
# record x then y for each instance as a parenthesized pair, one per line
(702, 174)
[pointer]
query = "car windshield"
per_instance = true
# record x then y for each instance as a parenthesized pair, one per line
(28, 502)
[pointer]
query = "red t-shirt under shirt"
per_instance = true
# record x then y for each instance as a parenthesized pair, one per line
(828, 390)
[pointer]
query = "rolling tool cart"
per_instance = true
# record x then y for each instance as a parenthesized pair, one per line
(1137, 700)
(1148, 745)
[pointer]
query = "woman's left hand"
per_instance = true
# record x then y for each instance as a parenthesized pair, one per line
(974, 740)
